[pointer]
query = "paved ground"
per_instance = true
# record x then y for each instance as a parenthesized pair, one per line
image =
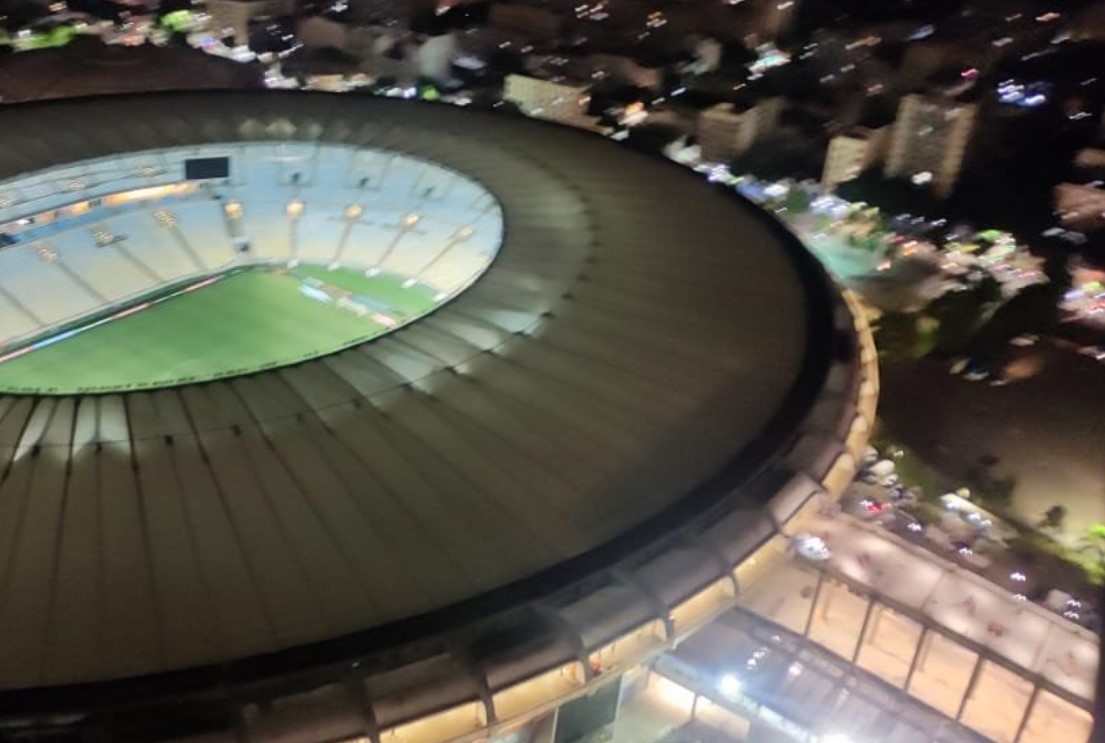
(1047, 430)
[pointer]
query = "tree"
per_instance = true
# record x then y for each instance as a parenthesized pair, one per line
(993, 491)
(735, 55)
(167, 7)
(1093, 542)
(797, 201)
(998, 492)
(22, 14)
(871, 243)
(108, 10)
(901, 335)
(781, 154)
(1034, 310)
(503, 62)
(891, 195)
(508, 108)
(1053, 517)
(958, 313)
(612, 94)
(652, 138)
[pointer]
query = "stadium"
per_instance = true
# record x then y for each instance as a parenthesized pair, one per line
(338, 418)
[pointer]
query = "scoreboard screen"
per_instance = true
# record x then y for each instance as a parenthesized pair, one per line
(206, 168)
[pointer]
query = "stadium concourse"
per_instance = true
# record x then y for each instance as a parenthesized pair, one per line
(618, 393)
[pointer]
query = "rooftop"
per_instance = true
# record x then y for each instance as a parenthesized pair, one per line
(640, 345)
(87, 67)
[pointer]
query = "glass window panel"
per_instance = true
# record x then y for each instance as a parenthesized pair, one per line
(888, 648)
(837, 619)
(661, 704)
(1053, 719)
(942, 674)
(997, 704)
(716, 717)
(786, 597)
(751, 569)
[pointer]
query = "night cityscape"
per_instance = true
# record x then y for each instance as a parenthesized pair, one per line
(548, 371)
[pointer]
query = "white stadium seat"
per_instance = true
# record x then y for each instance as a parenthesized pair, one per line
(318, 233)
(361, 208)
(153, 246)
(202, 225)
(42, 287)
(107, 270)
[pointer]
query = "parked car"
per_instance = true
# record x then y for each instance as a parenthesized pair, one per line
(1096, 352)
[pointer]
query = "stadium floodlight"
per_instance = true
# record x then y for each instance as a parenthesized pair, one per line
(730, 686)
(165, 218)
(46, 252)
(411, 220)
(295, 209)
(353, 212)
(102, 235)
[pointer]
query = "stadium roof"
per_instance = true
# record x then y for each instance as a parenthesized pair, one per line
(87, 67)
(642, 344)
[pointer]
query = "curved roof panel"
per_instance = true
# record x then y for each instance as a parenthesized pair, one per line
(637, 331)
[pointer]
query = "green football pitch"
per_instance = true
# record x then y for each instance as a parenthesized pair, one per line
(253, 319)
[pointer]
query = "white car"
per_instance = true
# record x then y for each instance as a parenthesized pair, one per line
(882, 468)
(812, 547)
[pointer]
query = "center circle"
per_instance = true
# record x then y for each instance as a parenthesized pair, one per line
(176, 266)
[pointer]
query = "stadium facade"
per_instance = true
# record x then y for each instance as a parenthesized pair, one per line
(470, 528)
